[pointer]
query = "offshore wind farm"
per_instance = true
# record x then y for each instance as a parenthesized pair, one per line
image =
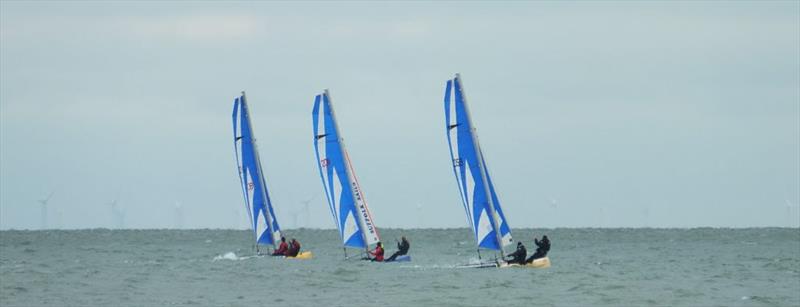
(654, 144)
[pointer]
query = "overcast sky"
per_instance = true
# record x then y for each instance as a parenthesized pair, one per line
(610, 114)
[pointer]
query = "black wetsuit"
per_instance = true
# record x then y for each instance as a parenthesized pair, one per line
(541, 251)
(519, 255)
(402, 250)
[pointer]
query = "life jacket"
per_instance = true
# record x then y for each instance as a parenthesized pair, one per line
(378, 253)
(282, 248)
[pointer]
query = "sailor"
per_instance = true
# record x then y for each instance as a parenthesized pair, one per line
(294, 248)
(402, 247)
(518, 256)
(378, 253)
(543, 247)
(282, 248)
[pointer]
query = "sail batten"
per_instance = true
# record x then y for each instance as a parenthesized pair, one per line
(343, 193)
(266, 230)
(477, 192)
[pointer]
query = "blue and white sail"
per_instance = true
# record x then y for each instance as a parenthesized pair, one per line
(256, 195)
(345, 197)
(478, 195)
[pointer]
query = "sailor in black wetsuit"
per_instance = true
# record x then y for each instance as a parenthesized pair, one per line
(402, 247)
(519, 255)
(543, 247)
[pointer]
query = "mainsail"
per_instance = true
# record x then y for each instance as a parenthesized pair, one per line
(344, 195)
(478, 195)
(256, 196)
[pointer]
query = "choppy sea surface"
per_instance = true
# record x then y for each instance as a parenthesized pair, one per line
(676, 267)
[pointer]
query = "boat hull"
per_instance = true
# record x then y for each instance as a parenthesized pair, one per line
(541, 263)
(479, 265)
(403, 258)
(305, 255)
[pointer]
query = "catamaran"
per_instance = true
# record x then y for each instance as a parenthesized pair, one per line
(481, 204)
(266, 231)
(345, 197)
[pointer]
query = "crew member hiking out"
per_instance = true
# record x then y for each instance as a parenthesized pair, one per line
(402, 249)
(518, 256)
(543, 247)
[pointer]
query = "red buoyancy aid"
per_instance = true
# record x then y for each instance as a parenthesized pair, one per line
(282, 248)
(378, 253)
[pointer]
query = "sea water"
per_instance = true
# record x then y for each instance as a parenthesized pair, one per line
(676, 267)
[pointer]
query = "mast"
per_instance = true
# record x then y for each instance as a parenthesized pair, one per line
(479, 156)
(268, 214)
(237, 118)
(343, 152)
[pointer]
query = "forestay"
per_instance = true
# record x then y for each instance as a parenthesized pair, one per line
(344, 195)
(256, 196)
(478, 195)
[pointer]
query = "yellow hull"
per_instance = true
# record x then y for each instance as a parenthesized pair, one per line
(541, 263)
(302, 256)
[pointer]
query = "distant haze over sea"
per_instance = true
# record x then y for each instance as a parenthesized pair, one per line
(118, 114)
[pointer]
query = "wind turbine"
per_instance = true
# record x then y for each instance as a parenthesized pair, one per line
(791, 218)
(117, 214)
(303, 210)
(178, 215)
(241, 221)
(294, 218)
(420, 215)
(602, 216)
(43, 205)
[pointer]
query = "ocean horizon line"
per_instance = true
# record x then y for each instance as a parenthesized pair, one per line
(415, 228)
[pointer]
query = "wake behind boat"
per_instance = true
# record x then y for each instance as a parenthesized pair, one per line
(266, 231)
(481, 204)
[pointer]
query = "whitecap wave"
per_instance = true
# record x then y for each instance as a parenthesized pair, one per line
(227, 256)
